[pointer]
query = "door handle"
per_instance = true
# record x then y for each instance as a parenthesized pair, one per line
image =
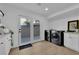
(19, 30)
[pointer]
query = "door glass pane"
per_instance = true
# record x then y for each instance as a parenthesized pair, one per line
(25, 30)
(36, 26)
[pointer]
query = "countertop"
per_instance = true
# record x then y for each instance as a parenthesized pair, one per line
(72, 32)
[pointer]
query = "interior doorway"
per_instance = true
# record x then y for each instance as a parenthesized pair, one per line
(29, 31)
(24, 31)
(36, 30)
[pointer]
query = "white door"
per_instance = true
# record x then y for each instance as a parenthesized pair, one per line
(24, 32)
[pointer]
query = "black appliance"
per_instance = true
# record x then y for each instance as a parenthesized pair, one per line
(57, 37)
(47, 35)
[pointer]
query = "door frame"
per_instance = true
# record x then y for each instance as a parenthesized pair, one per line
(31, 31)
(19, 33)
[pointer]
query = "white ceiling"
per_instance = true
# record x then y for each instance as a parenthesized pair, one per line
(40, 9)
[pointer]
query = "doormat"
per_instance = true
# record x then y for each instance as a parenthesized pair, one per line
(25, 46)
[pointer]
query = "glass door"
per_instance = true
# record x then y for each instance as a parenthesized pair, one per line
(24, 31)
(36, 30)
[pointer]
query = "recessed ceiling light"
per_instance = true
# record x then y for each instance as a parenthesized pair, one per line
(46, 9)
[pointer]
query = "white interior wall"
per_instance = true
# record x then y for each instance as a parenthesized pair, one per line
(11, 18)
(61, 24)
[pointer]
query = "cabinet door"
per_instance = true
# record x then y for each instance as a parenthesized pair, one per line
(8, 45)
(71, 45)
(75, 42)
(72, 41)
(77, 45)
(2, 48)
(66, 40)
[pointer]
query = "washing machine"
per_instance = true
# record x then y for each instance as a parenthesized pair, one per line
(57, 37)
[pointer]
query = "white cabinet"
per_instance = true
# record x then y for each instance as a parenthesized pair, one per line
(2, 47)
(71, 40)
(5, 44)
